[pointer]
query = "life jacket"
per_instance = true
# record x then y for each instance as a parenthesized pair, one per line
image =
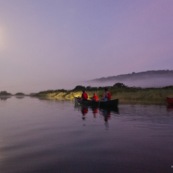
(95, 97)
(108, 96)
(84, 96)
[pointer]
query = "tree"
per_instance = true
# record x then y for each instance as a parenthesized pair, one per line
(5, 93)
(79, 88)
(119, 85)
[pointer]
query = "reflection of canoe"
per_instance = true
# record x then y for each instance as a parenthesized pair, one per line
(101, 103)
(170, 107)
(169, 101)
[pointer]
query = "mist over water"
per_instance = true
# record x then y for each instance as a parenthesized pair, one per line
(143, 82)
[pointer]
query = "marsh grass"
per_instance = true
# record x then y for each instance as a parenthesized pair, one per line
(124, 94)
(145, 96)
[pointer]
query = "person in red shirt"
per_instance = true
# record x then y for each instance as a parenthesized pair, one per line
(84, 95)
(95, 97)
(107, 95)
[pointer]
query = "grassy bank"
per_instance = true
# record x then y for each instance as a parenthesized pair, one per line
(143, 96)
(123, 93)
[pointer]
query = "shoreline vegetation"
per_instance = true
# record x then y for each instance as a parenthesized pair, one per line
(125, 94)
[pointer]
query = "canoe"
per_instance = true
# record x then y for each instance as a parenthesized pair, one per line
(169, 101)
(101, 103)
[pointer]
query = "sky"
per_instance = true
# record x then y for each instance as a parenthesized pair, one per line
(54, 44)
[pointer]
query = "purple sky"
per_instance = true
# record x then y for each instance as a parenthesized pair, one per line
(53, 44)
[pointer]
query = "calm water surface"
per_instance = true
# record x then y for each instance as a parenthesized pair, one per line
(38, 136)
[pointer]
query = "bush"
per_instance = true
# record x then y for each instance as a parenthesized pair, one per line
(5, 93)
(19, 94)
(79, 88)
(119, 85)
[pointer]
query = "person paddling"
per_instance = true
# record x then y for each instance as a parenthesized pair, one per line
(95, 97)
(107, 95)
(84, 95)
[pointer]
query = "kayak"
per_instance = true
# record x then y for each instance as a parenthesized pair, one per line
(169, 101)
(102, 104)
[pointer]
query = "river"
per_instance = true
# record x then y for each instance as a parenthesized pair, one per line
(41, 136)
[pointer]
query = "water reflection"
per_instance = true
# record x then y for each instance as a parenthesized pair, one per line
(19, 97)
(4, 98)
(46, 136)
(84, 111)
(170, 108)
(96, 111)
(106, 113)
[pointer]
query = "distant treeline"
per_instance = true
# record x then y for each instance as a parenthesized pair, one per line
(117, 87)
(5, 93)
(90, 88)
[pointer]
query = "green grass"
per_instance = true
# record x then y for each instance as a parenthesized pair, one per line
(145, 96)
(123, 93)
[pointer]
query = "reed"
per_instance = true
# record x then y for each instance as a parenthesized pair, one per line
(146, 96)
(123, 93)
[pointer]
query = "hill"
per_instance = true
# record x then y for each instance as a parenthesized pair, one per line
(158, 78)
